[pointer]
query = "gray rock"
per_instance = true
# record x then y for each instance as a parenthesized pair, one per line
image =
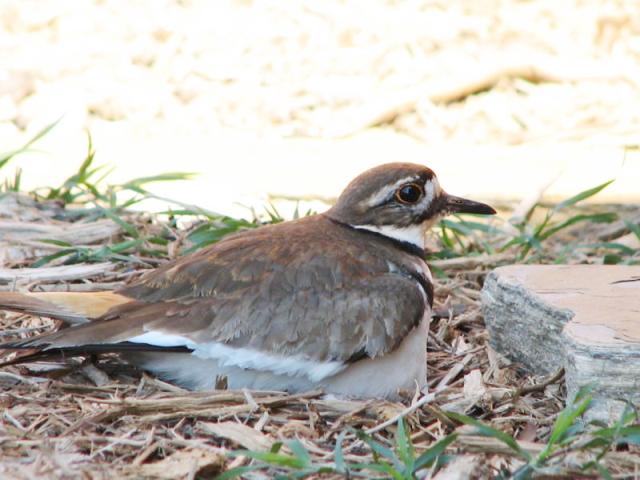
(585, 318)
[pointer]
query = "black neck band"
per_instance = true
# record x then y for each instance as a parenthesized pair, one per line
(407, 247)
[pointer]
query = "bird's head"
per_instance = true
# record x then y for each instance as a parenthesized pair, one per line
(399, 200)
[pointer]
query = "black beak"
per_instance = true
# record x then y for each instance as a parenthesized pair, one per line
(452, 204)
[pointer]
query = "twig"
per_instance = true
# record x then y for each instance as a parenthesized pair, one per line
(463, 263)
(77, 287)
(454, 371)
(21, 379)
(476, 443)
(428, 398)
(539, 387)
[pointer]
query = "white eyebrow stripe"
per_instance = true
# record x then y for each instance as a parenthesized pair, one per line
(430, 189)
(382, 195)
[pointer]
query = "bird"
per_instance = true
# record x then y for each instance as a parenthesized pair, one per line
(339, 301)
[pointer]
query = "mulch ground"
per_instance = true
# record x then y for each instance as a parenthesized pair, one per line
(100, 418)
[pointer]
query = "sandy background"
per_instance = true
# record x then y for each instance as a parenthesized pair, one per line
(292, 98)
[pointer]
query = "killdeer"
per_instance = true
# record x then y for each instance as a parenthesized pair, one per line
(339, 300)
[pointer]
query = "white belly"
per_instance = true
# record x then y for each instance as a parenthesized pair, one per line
(404, 368)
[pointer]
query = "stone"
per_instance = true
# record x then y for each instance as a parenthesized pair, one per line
(585, 318)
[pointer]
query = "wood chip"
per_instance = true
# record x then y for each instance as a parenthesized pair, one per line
(192, 463)
(96, 375)
(239, 434)
(474, 387)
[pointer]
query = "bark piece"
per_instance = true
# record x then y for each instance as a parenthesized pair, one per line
(72, 233)
(585, 318)
(59, 274)
(15, 205)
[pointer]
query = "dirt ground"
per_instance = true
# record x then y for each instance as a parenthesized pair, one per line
(501, 98)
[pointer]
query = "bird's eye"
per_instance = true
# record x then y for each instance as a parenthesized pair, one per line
(409, 193)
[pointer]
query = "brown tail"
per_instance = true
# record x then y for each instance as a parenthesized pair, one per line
(70, 307)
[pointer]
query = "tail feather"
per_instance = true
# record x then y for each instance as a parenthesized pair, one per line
(28, 354)
(108, 334)
(70, 307)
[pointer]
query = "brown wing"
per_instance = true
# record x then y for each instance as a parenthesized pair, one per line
(267, 291)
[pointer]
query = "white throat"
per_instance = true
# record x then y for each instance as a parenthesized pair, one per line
(414, 234)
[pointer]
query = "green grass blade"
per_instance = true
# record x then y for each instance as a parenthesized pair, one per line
(277, 459)
(238, 472)
(125, 258)
(379, 449)
(338, 455)
(300, 452)
(404, 447)
(276, 447)
(125, 245)
(444, 235)
(467, 227)
(81, 174)
(604, 473)
(209, 233)
(274, 215)
(595, 218)
(487, 431)
(582, 196)
(137, 183)
(633, 228)
(57, 243)
(519, 240)
(427, 459)
(13, 186)
(49, 258)
(629, 435)
(6, 157)
(525, 472)
(127, 227)
(610, 245)
(566, 419)
(539, 228)
(380, 467)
